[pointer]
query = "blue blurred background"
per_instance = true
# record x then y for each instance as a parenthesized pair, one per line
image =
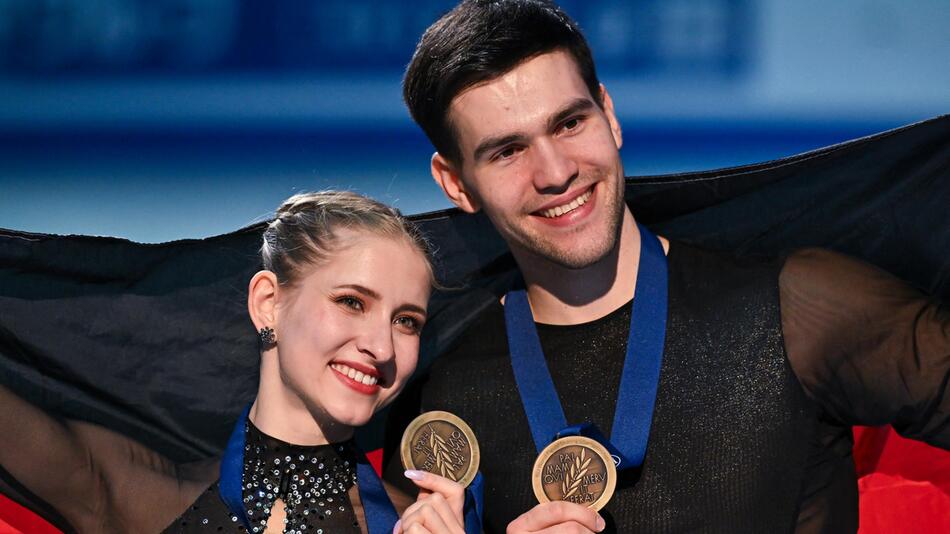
(164, 119)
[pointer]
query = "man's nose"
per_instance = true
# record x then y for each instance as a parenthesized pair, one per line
(554, 169)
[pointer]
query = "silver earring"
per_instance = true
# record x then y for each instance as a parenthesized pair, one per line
(267, 336)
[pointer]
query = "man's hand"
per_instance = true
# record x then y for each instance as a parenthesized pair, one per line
(437, 510)
(557, 517)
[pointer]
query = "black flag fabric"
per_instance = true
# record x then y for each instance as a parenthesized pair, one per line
(153, 340)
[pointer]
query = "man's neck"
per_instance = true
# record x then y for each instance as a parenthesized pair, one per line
(559, 295)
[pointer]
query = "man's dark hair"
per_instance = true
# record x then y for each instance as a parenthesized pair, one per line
(479, 41)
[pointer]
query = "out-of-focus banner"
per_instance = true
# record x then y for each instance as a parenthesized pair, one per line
(123, 117)
(101, 36)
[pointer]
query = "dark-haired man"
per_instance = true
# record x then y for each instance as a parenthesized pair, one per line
(761, 369)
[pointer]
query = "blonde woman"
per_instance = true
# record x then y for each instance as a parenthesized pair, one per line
(339, 308)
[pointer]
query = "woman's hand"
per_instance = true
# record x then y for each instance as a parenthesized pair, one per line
(438, 508)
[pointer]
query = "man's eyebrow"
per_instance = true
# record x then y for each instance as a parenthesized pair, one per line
(495, 142)
(576, 106)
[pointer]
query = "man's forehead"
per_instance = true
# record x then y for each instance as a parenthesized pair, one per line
(530, 92)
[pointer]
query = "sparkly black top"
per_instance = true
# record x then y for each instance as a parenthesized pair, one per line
(312, 481)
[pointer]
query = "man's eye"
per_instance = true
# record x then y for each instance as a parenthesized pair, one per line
(571, 124)
(507, 152)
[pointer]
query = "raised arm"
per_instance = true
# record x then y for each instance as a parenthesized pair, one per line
(96, 479)
(868, 348)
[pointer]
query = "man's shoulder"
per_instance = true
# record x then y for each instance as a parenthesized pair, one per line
(710, 272)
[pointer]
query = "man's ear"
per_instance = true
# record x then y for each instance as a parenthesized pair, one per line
(262, 299)
(611, 116)
(450, 180)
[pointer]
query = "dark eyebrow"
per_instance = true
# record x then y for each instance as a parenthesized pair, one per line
(578, 105)
(495, 142)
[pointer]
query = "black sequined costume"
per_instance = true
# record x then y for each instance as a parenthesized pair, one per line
(765, 367)
(313, 483)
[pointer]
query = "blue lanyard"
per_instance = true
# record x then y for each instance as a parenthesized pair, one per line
(380, 513)
(641, 369)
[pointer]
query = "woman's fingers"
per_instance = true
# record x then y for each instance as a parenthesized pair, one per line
(428, 483)
(558, 516)
(439, 506)
(434, 513)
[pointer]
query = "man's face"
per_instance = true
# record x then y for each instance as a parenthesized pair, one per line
(541, 158)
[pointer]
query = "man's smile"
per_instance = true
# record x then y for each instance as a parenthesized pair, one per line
(567, 207)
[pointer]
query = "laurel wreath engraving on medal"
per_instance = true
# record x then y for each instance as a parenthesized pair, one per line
(442, 444)
(576, 469)
(574, 476)
(440, 452)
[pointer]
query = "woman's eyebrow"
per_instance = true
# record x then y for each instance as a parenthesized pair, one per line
(360, 289)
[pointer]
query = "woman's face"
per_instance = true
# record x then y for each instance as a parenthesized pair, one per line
(348, 331)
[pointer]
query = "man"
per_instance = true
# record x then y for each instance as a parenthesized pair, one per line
(764, 367)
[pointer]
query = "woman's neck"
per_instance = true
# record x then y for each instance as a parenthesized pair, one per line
(281, 414)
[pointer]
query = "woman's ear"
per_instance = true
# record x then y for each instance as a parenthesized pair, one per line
(262, 299)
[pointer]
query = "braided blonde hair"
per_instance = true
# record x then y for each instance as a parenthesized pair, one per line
(302, 232)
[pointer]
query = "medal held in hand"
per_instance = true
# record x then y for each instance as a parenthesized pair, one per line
(442, 444)
(575, 469)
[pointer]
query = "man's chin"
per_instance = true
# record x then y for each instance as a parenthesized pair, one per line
(573, 258)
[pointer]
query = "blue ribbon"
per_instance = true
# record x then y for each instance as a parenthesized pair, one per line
(380, 513)
(641, 369)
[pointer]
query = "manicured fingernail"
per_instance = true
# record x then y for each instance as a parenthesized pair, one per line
(398, 527)
(601, 524)
(412, 474)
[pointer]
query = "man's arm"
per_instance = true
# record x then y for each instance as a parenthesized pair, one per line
(98, 480)
(869, 349)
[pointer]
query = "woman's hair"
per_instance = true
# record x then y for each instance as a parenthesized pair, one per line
(304, 231)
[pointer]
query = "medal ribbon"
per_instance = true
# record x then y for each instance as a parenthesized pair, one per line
(379, 510)
(641, 369)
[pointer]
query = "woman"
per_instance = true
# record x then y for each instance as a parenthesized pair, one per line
(339, 308)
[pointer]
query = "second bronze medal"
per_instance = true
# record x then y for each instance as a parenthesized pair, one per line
(575, 469)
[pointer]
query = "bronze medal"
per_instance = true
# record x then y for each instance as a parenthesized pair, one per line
(575, 469)
(443, 444)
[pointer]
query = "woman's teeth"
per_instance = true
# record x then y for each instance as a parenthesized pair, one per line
(569, 207)
(353, 374)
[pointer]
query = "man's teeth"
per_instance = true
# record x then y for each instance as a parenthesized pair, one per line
(567, 208)
(354, 374)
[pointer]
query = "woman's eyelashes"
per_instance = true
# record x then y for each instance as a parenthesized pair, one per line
(409, 324)
(351, 302)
